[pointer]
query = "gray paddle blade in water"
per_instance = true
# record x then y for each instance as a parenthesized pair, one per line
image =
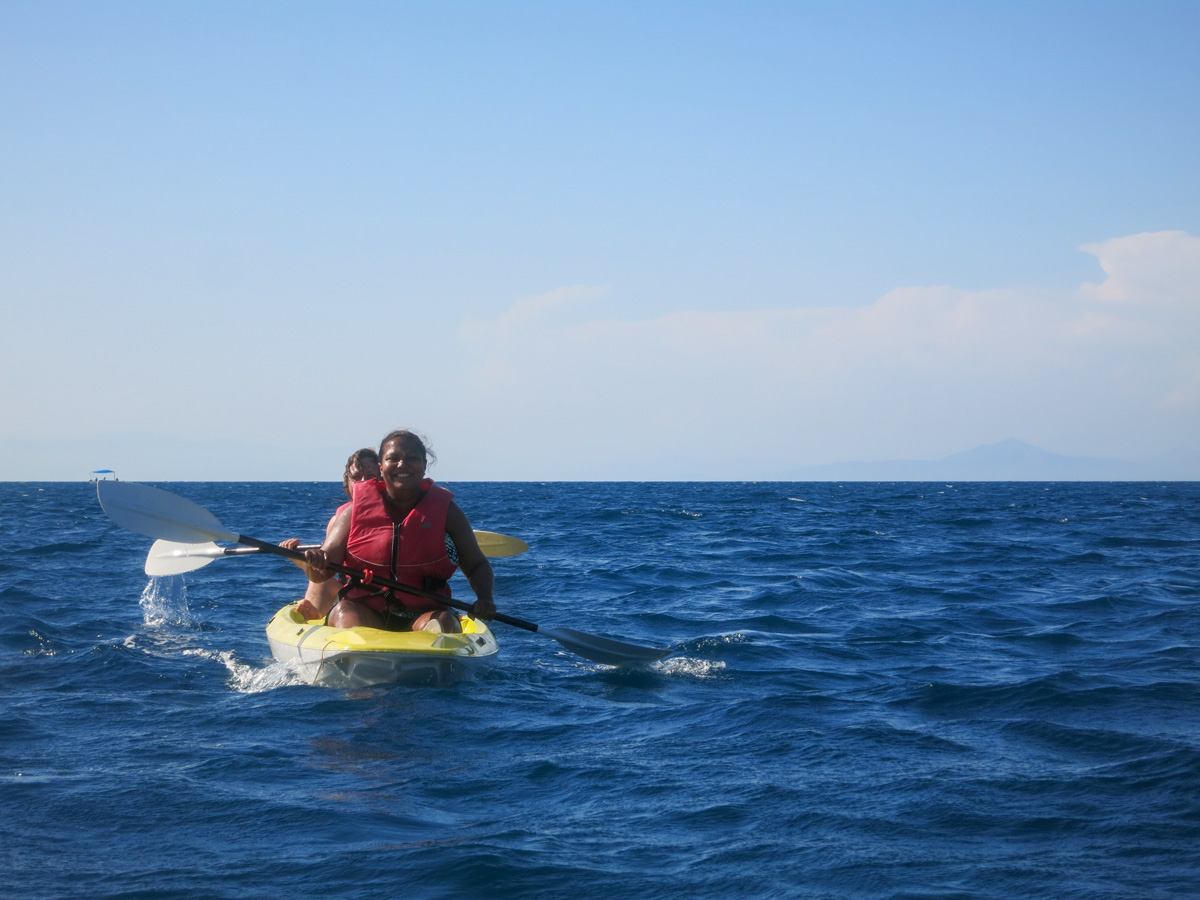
(604, 650)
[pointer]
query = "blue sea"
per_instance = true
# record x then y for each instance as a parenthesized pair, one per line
(979, 690)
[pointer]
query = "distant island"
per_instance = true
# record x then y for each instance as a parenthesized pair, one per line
(1010, 460)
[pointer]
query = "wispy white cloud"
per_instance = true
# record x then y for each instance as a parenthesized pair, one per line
(1107, 369)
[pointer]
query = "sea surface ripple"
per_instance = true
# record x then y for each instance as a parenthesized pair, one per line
(875, 691)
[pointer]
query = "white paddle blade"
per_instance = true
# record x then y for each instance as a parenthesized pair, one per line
(159, 514)
(171, 558)
(500, 546)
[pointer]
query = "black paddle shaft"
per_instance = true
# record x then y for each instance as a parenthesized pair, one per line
(385, 582)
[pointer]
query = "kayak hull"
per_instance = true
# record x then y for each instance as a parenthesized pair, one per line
(361, 657)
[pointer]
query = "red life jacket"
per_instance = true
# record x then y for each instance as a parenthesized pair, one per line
(412, 551)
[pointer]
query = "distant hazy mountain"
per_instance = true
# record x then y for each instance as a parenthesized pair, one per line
(1010, 460)
(155, 457)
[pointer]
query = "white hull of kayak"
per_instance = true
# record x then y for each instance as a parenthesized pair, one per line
(361, 657)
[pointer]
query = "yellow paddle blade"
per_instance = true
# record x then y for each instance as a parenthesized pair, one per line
(498, 546)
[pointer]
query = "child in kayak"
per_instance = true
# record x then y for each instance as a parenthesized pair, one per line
(363, 465)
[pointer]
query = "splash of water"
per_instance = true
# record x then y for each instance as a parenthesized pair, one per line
(164, 603)
(248, 679)
(696, 668)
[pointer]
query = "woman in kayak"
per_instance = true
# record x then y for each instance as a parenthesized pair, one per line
(405, 528)
(363, 465)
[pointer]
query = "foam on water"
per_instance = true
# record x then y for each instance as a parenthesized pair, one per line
(246, 678)
(696, 668)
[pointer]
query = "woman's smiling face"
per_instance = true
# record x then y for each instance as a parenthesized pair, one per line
(402, 464)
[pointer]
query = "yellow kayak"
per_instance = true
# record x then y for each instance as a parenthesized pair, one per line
(359, 657)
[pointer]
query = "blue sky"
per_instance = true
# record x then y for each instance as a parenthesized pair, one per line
(594, 240)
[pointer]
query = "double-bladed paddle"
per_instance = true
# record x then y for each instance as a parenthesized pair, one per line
(172, 558)
(165, 516)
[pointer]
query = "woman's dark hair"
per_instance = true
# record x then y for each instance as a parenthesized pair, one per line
(358, 457)
(410, 437)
